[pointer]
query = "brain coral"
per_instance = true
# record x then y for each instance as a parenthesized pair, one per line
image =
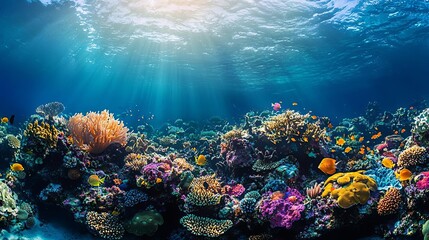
(412, 156)
(390, 203)
(104, 225)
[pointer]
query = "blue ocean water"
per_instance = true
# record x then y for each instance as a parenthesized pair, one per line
(197, 59)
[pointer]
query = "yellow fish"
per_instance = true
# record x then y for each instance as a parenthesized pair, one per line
(314, 117)
(352, 137)
(362, 151)
(293, 139)
(361, 139)
(158, 180)
(348, 149)
(4, 120)
(95, 181)
(17, 167)
(404, 174)
(340, 141)
(305, 139)
(388, 163)
(294, 104)
(201, 160)
(327, 165)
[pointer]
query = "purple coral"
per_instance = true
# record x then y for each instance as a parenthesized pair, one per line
(282, 212)
(239, 153)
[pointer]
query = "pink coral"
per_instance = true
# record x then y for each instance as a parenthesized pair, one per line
(284, 211)
(423, 183)
(233, 190)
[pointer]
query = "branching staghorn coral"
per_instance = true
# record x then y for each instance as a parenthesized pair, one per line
(234, 133)
(204, 191)
(94, 132)
(284, 126)
(202, 226)
(292, 126)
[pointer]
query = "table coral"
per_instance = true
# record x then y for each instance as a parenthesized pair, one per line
(50, 110)
(203, 226)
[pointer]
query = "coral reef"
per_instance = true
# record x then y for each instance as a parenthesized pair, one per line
(258, 179)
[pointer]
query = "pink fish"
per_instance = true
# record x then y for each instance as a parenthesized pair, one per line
(276, 106)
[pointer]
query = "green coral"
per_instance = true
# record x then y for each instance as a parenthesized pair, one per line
(144, 223)
(425, 230)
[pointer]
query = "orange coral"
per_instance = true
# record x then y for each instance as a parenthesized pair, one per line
(94, 132)
(390, 203)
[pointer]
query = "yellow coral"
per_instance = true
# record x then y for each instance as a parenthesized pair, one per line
(203, 226)
(354, 188)
(96, 131)
(45, 132)
(204, 191)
